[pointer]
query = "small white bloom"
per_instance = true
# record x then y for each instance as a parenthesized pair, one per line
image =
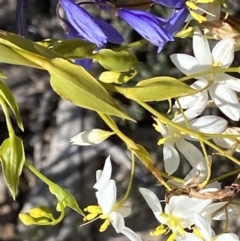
(90, 137)
(108, 209)
(173, 137)
(223, 86)
(178, 213)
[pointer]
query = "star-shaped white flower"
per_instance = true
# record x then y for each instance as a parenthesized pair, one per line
(108, 209)
(222, 86)
(178, 213)
(174, 140)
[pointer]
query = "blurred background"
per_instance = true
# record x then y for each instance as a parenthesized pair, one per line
(50, 123)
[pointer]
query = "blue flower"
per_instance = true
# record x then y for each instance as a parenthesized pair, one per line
(147, 25)
(171, 3)
(83, 23)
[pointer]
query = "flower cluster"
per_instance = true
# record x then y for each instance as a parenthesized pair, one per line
(191, 134)
(192, 204)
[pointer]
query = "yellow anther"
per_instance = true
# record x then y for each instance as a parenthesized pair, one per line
(93, 209)
(90, 216)
(105, 225)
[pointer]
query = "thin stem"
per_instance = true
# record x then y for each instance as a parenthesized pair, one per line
(225, 176)
(131, 144)
(38, 174)
(185, 130)
(130, 181)
(210, 71)
(205, 182)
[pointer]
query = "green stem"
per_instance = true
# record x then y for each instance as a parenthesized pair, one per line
(38, 174)
(130, 181)
(205, 182)
(61, 217)
(130, 143)
(185, 130)
(210, 71)
(229, 174)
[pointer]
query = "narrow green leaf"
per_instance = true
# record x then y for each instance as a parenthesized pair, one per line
(65, 197)
(19, 43)
(120, 61)
(155, 89)
(75, 84)
(74, 48)
(9, 56)
(12, 157)
(10, 100)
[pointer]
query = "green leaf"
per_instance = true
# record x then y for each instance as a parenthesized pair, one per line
(75, 84)
(10, 100)
(120, 61)
(116, 77)
(155, 89)
(12, 157)
(74, 48)
(65, 197)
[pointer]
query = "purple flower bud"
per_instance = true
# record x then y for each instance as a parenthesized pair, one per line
(83, 23)
(147, 25)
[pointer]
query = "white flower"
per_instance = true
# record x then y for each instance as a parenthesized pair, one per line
(90, 137)
(231, 145)
(178, 213)
(203, 232)
(108, 209)
(173, 137)
(222, 85)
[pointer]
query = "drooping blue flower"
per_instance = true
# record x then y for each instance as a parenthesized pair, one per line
(147, 25)
(171, 3)
(83, 23)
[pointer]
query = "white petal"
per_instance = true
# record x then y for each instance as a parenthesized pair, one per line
(125, 211)
(191, 153)
(227, 143)
(117, 221)
(201, 48)
(187, 64)
(151, 199)
(199, 106)
(103, 176)
(226, 100)
(107, 197)
(209, 124)
(203, 226)
(228, 237)
(210, 209)
(187, 206)
(223, 52)
(170, 157)
(130, 234)
(230, 81)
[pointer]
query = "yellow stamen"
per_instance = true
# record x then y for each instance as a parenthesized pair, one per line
(104, 225)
